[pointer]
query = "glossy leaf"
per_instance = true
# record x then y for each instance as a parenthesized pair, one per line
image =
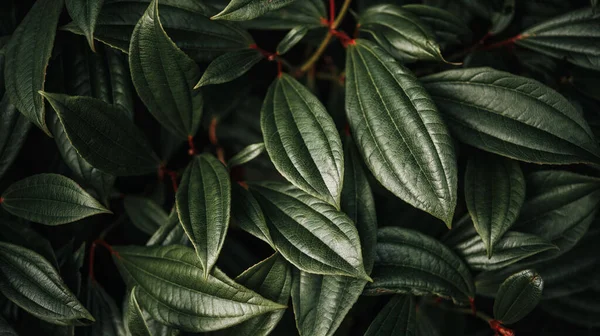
(518, 296)
(230, 66)
(271, 278)
(447, 27)
(292, 38)
(135, 323)
(85, 14)
(304, 12)
(169, 233)
(494, 192)
(14, 128)
(540, 126)
(166, 274)
(104, 136)
(203, 204)
(398, 317)
(50, 199)
(30, 281)
(248, 215)
(246, 155)
(19, 234)
(567, 37)
(155, 61)
(399, 132)
(120, 80)
(244, 10)
(27, 56)
(297, 220)
(104, 309)
(145, 214)
(302, 140)
(409, 262)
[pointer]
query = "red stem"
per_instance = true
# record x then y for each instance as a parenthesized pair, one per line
(331, 12)
(504, 43)
(343, 37)
(1, 200)
(92, 256)
(192, 150)
(473, 308)
(500, 329)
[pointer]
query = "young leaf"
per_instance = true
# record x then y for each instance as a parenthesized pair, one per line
(399, 132)
(567, 37)
(401, 33)
(447, 27)
(85, 14)
(299, 13)
(248, 215)
(494, 192)
(246, 155)
(230, 66)
(164, 76)
(50, 199)
(174, 291)
(398, 317)
(540, 126)
(518, 296)
(302, 140)
(169, 233)
(244, 10)
(271, 278)
(27, 56)
(297, 219)
(409, 262)
(28, 280)
(104, 136)
(292, 38)
(14, 127)
(135, 323)
(145, 214)
(203, 205)
(104, 309)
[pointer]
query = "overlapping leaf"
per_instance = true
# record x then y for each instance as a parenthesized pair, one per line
(398, 317)
(248, 215)
(305, 12)
(145, 214)
(243, 10)
(246, 155)
(230, 66)
(518, 296)
(447, 27)
(169, 233)
(292, 38)
(104, 309)
(14, 127)
(85, 14)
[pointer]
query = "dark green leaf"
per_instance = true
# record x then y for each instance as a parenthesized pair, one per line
(203, 206)
(299, 13)
(230, 66)
(169, 233)
(447, 27)
(399, 132)
(104, 309)
(145, 214)
(120, 80)
(85, 14)
(14, 127)
(494, 192)
(512, 116)
(500, 13)
(246, 155)
(248, 215)
(398, 317)
(569, 37)
(6, 329)
(409, 262)
(244, 10)
(581, 308)
(518, 296)
(271, 278)
(297, 220)
(50, 199)
(24, 236)
(104, 136)
(30, 281)
(165, 275)
(292, 38)
(27, 56)
(302, 140)
(135, 323)
(164, 76)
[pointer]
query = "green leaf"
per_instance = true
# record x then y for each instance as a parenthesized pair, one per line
(299, 13)
(581, 308)
(401, 33)
(292, 38)
(50, 199)
(145, 214)
(540, 126)
(104, 308)
(494, 192)
(409, 262)
(248, 215)
(399, 132)
(169, 233)
(85, 14)
(271, 278)
(120, 80)
(230, 66)
(14, 127)
(302, 140)
(398, 317)
(104, 136)
(186, 22)
(164, 76)
(244, 10)
(297, 220)
(246, 155)
(518, 296)
(203, 204)
(6, 329)
(447, 27)
(30, 281)
(135, 323)
(567, 37)
(166, 274)
(500, 13)
(24, 236)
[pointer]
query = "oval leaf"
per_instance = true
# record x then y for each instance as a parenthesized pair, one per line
(399, 132)
(518, 296)
(135, 323)
(50, 199)
(302, 140)
(164, 76)
(104, 136)
(244, 10)
(203, 203)
(248, 215)
(169, 233)
(447, 27)
(409, 262)
(299, 13)
(494, 192)
(14, 127)
(398, 317)
(28, 280)
(85, 14)
(145, 214)
(104, 309)
(292, 38)
(512, 116)
(166, 274)
(230, 66)
(246, 155)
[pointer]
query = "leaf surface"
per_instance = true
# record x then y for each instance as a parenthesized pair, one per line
(145, 214)
(85, 14)
(135, 323)
(243, 10)
(518, 296)
(104, 309)
(14, 128)
(246, 155)
(292, 38)
(248, 215)
(230, 66)
(398, 317)
(447, 27)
